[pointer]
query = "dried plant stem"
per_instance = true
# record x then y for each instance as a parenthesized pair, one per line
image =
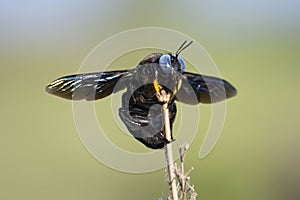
(186, 190)
(182, 176)
(169, 156)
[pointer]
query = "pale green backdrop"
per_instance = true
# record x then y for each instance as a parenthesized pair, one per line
(256, 45)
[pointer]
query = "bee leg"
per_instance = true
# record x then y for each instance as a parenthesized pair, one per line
(163, 97)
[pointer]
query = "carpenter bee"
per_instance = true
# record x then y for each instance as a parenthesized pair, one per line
(141, 109)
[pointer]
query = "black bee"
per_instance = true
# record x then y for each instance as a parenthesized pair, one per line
(141, 109)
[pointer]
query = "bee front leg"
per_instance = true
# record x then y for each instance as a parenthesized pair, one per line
(163, 97)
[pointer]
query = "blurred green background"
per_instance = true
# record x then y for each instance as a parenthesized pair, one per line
(256, 45)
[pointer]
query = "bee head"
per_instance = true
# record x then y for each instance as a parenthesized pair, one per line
(171, 63)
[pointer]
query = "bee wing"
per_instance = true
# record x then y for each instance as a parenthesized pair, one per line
(197, 88)
(90, 86)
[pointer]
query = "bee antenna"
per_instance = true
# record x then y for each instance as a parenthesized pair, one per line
(183, 47)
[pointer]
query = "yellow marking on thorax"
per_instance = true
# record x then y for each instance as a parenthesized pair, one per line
(157, 87)
(177, 88)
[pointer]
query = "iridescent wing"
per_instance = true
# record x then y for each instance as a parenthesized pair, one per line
(90, 86)
(198, 88)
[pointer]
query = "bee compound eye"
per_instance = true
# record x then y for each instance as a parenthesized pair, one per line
(182, 64)
(165, 59)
